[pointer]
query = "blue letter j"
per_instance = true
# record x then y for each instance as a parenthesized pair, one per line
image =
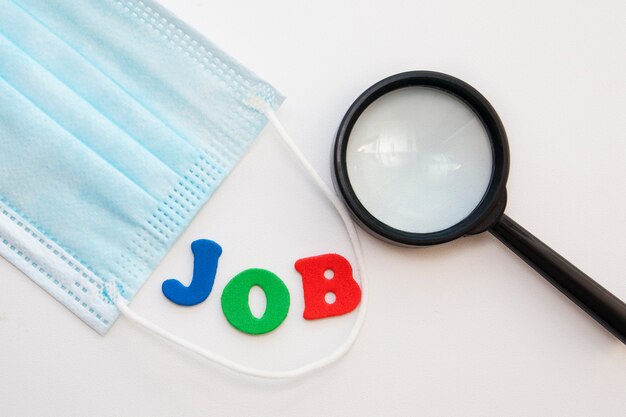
(205, 256)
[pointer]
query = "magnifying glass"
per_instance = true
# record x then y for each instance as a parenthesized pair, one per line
(422, 158)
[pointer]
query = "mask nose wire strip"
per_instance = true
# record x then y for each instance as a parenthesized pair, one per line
(122, 305)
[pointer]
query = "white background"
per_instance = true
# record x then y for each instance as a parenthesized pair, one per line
(463, 329)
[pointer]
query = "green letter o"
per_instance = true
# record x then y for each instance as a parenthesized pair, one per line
(235, 301)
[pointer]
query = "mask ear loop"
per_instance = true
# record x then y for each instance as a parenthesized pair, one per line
(125, 310)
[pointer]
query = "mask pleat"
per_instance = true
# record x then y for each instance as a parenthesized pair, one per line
(92, 130)
(95, 87)
(109, 67)
(67, 194)
(127, 55)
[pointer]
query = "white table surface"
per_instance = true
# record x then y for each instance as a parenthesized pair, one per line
(463, 329)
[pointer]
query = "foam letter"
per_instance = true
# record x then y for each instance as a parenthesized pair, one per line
(316, 285)
(205, 256)
(235, 301)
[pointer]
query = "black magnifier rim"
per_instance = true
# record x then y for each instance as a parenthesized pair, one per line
(492, 204)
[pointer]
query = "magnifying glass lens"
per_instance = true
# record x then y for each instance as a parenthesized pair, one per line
(419, 159)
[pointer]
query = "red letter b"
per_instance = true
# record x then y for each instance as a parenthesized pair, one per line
(316, 285)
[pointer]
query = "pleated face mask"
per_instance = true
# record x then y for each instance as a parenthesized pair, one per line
(117, 123)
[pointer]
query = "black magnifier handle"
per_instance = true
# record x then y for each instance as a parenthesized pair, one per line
(599, 303)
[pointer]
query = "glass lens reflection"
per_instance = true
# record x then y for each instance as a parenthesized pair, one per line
(419, 159)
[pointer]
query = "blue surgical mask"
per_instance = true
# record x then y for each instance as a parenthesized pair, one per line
(117, 123)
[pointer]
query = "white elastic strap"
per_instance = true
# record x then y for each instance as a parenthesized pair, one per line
(313, 366)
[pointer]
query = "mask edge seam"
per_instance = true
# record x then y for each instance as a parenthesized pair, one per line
(33, 262)
(200, 46)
